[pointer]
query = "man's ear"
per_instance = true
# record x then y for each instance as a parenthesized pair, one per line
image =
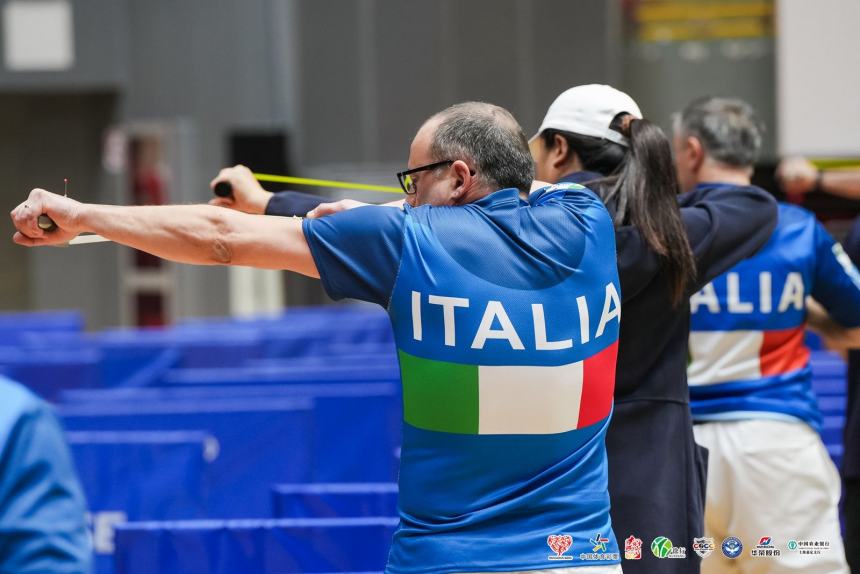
(695, 152)
(463, 179)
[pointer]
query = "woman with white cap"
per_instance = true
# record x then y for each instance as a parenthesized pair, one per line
(595, 135)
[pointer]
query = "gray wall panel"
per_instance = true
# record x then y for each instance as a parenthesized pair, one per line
(330, 78)
(414, 70)
(44, 139)
(100, 37)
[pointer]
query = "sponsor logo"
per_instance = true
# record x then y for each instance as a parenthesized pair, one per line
(813, 547)
(633, 548)
(559, 543)
(732, 547)
(704, 547)
(599, 543)
(598, 550)
(765, 548)
(662, 547)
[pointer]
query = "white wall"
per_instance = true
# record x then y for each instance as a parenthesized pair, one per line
(818, 77)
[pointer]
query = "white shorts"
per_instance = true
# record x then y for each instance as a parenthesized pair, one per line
(770, 478)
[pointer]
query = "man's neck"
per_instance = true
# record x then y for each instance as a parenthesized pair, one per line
(477, 193)
(713, 172)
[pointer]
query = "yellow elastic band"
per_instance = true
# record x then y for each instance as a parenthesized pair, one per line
(325, 183)
(835, 163)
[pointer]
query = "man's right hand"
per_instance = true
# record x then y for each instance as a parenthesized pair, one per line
(63, 211)
(248, 195)
(797, 175)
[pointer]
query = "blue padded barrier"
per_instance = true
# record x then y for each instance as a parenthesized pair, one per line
(141, 357)
(285, 374)
(334, 500)
(832, 405)
(224, 347)
(835, 451)
(262, 441)
(829, 387)
(310, 331)
(297, 318)
(254, 546)
(304, 343)
(47, 372)
(149, 475)
(832, 429)
(141, 475)
(828, 368)
(365, 348)
(359, 359)
(249, 390)
(123, 363)
(353, 434)
(14, 326)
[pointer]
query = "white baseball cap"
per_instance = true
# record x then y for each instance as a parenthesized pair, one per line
(588, 110)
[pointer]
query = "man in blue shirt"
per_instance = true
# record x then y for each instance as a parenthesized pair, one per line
(506, 318)
(42, 520)
(799, 175)
(771, 479)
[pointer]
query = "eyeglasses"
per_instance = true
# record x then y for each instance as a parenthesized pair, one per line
(408, 183)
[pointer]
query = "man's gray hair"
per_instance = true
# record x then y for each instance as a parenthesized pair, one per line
(728, 128)
(490, 139)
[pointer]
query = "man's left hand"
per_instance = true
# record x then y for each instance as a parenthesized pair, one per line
(324, 209)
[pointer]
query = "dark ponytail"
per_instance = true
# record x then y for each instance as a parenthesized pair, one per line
(644, 191)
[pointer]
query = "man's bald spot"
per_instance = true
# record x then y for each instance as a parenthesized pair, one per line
(486, 136)
(498, 114)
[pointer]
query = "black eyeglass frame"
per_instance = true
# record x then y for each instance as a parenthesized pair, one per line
(402, 174)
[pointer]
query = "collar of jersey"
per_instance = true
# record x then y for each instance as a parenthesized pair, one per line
(507, 196)
(501, 197)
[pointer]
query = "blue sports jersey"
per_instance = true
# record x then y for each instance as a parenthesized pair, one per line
(747, 356)
(506, 316)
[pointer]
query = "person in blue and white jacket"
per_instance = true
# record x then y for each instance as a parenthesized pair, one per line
(42, 507)
(771, 479)
(800, 176)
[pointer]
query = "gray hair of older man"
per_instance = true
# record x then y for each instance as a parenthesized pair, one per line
(728, 128)
(490, 139)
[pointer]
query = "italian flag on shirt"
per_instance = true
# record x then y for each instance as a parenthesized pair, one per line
(724, 356)
(474, 399)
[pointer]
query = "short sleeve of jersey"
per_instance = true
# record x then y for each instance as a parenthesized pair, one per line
(837, 280)
(357, 252)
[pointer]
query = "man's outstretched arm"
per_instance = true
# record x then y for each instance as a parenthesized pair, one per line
(799, 175)
(196, 234)
(250, 197)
